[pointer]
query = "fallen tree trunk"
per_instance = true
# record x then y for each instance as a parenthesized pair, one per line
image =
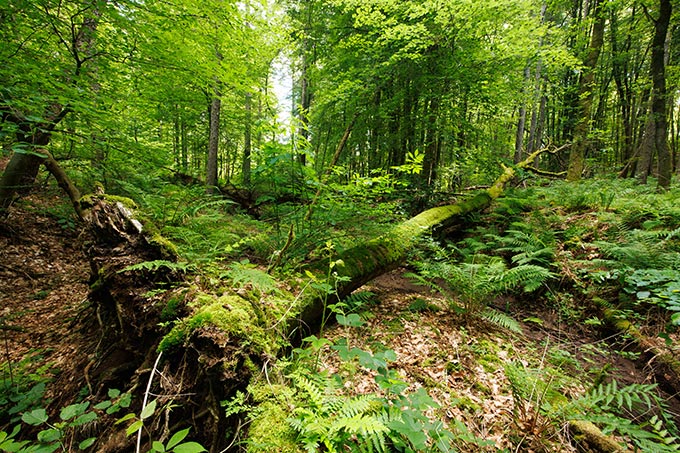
(364, 262)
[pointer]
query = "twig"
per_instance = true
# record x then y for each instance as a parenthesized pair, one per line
(146, 397)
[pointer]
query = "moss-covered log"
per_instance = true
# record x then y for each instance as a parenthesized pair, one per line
(364, 262)
(588, 437)
(666, 367)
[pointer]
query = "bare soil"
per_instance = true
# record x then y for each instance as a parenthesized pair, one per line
(43, 290)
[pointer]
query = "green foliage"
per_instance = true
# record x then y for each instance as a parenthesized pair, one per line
(474, 284)
(62, 434)
(244, 274)
(334, 421)
(659, 287)
(526, 247)
(176, 442)
(155, 265)
(613, 408)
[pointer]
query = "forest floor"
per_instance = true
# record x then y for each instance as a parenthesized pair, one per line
(462, 365)
(44, 286)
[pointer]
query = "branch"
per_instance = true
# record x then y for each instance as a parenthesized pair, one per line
(549, 174)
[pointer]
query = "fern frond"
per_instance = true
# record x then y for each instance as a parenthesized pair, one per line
(530, 276)
(158, 264)
(359, 299)
(501, 319)
(245, 273)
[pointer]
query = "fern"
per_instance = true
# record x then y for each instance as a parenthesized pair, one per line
(528, 247)
(158, 264)
(244, 274)
(529, 276)
(333, 420)
(474, 284)
(611, 407)
(357, 300)
(501, 319)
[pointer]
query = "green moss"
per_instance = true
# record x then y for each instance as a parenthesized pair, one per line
(170, 310)
(233, 315)
(166, 248)
(91, 198)
(270, 431)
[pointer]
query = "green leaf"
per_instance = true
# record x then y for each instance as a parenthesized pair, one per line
(351, 320)
(73, 410)
(35, 418)
(125, 418)
(114, 393)
(133, 428)
(675, 319)
(49, 435)
(148, 410)
(177, 438)
(189, 447)
(87, 443)
(84, 419)
(158, 446)
(103, 405)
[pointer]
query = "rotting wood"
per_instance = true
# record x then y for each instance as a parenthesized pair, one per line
(584, 432)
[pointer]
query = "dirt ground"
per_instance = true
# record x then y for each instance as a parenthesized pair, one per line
(43, 290)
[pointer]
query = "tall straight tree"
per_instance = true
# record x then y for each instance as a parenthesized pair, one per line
(657, 71)
(586, 95)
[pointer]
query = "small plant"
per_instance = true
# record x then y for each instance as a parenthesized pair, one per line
(613, 408)
(471, 286)
(61, 435)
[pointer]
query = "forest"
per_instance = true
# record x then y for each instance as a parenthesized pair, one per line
(339, 226)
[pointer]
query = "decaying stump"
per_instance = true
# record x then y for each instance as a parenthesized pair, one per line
(130, 302)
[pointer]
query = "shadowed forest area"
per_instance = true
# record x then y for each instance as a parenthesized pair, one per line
(339, 225)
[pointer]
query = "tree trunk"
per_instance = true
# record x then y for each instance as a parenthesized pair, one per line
(521, 121)
(247, 147)
(577, 156)
(658, 74)
(213, 143)
(432, 144)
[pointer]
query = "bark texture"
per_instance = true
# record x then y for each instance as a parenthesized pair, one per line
(586, 96)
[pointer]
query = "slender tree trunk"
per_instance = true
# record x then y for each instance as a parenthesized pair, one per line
(586, 95)
(247, 141)
(432, 144)
(213, 143)
(521, 121)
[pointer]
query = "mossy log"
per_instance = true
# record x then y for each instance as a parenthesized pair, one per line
(364, 262)
(666, 367)
(129, 304)
(589, 438)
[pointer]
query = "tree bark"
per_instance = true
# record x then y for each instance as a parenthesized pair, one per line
(586, 95)
(213, 143)
(658, 74)
(247, 146)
